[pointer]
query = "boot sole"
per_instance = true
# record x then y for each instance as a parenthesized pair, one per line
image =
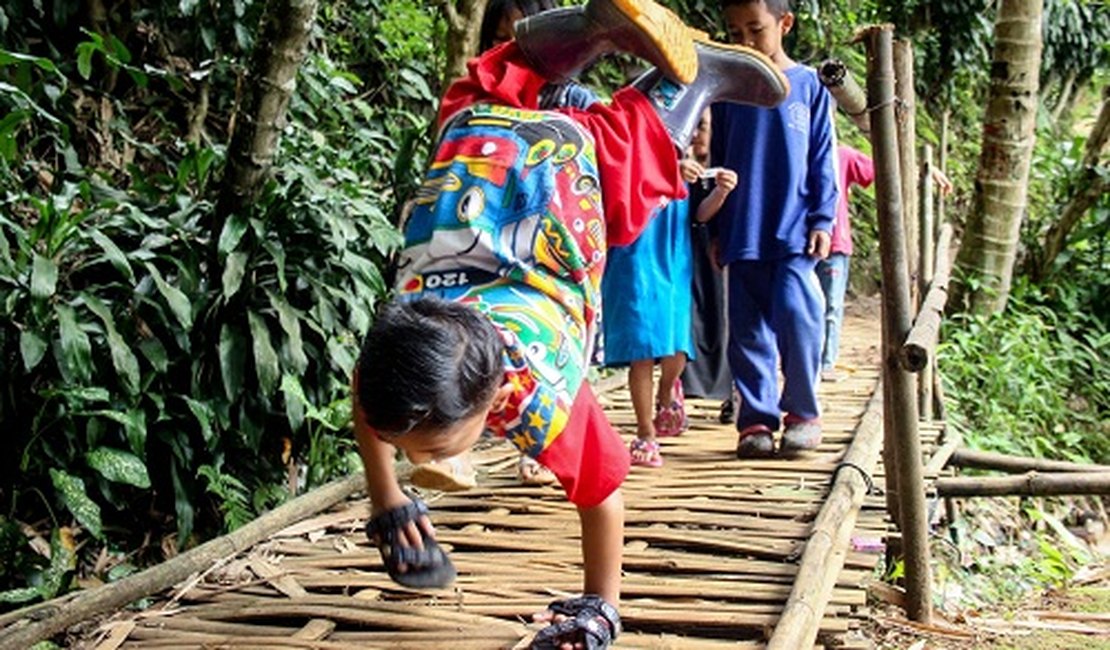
(767, 86)
(667, 32)
(431, 477)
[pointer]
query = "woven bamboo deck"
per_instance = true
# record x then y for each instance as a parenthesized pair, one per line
(711, 553)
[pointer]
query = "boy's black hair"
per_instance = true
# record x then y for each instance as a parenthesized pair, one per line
(778, 8)
(498, 8)
(427, 363)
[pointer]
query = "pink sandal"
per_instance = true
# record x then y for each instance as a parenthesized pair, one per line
(671, 420)
(645, 453)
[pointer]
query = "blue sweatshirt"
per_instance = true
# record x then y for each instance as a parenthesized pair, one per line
(785, 158)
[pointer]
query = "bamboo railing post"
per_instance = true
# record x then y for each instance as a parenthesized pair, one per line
(835, 76)
(899, 394)
(942, 160)
(928, 232)
(906, 115)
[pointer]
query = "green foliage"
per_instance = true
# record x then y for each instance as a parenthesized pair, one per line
(1001, 551)
(1076, 35)
(151, 365)
(1031, 381)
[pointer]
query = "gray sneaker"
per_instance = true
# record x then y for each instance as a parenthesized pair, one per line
(756, 441)
(801, 436)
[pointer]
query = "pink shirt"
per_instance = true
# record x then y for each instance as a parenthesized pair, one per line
(853, 168)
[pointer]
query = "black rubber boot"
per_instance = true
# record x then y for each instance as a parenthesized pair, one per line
(561, 42)
(726, 73)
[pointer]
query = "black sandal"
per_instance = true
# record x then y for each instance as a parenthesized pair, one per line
(427, 567)
(591, 621)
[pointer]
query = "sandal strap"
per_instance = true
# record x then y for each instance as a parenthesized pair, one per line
(424, 557)
(592, 617)
(384, 526)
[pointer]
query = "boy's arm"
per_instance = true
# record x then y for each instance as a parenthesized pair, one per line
(821, 166)
(381, 479)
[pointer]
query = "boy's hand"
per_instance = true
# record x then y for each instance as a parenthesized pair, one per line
(690, 169)
(819, 244)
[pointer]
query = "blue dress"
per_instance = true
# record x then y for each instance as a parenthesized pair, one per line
(645, 291)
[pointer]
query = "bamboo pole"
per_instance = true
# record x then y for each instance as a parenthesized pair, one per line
(943, 455)
(942, 161)
(919, 348)
(835, 76)
(827, 546)
(899, 392)
(1006, 463)
(1031, 484)
(26, 627)
(906, 114)
(928, 268)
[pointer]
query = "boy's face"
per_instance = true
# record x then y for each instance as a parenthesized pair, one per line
(424, 445)
(752, 24)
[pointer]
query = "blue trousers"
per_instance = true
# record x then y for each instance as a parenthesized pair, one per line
(833, 273)
(776, 310)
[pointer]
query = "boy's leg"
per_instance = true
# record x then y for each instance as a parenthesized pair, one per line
(602, 547)
(555, 44)
(752, 354)
(799, 308)
(560, 43)
(833, 273)
(726, 73)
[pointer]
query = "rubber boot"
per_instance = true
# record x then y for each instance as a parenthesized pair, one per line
(561, 42)
(726, 73)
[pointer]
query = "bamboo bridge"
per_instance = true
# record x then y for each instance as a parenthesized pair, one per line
(718, 552)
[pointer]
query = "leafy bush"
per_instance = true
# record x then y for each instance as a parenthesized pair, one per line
(158, 375)
(1033, 380)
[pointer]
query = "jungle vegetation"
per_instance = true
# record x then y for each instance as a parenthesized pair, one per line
(198, 198)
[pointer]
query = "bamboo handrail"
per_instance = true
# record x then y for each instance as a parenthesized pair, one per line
(1007, 463)
(826, 548)
(943, 455)
(835, 76)
(921, 342)
(1031, 484)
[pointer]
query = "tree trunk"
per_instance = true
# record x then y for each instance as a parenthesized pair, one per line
(989, 246)
(1093, 184)
(1063, 99)
(464, 26)
(278, 54)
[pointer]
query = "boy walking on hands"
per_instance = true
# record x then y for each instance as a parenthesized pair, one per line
(499, 282)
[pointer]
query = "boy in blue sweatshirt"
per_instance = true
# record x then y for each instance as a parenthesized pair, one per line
(773, 229)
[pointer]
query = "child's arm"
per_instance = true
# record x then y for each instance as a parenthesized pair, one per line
(819, 244)
(381, 480)
(711, 205)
